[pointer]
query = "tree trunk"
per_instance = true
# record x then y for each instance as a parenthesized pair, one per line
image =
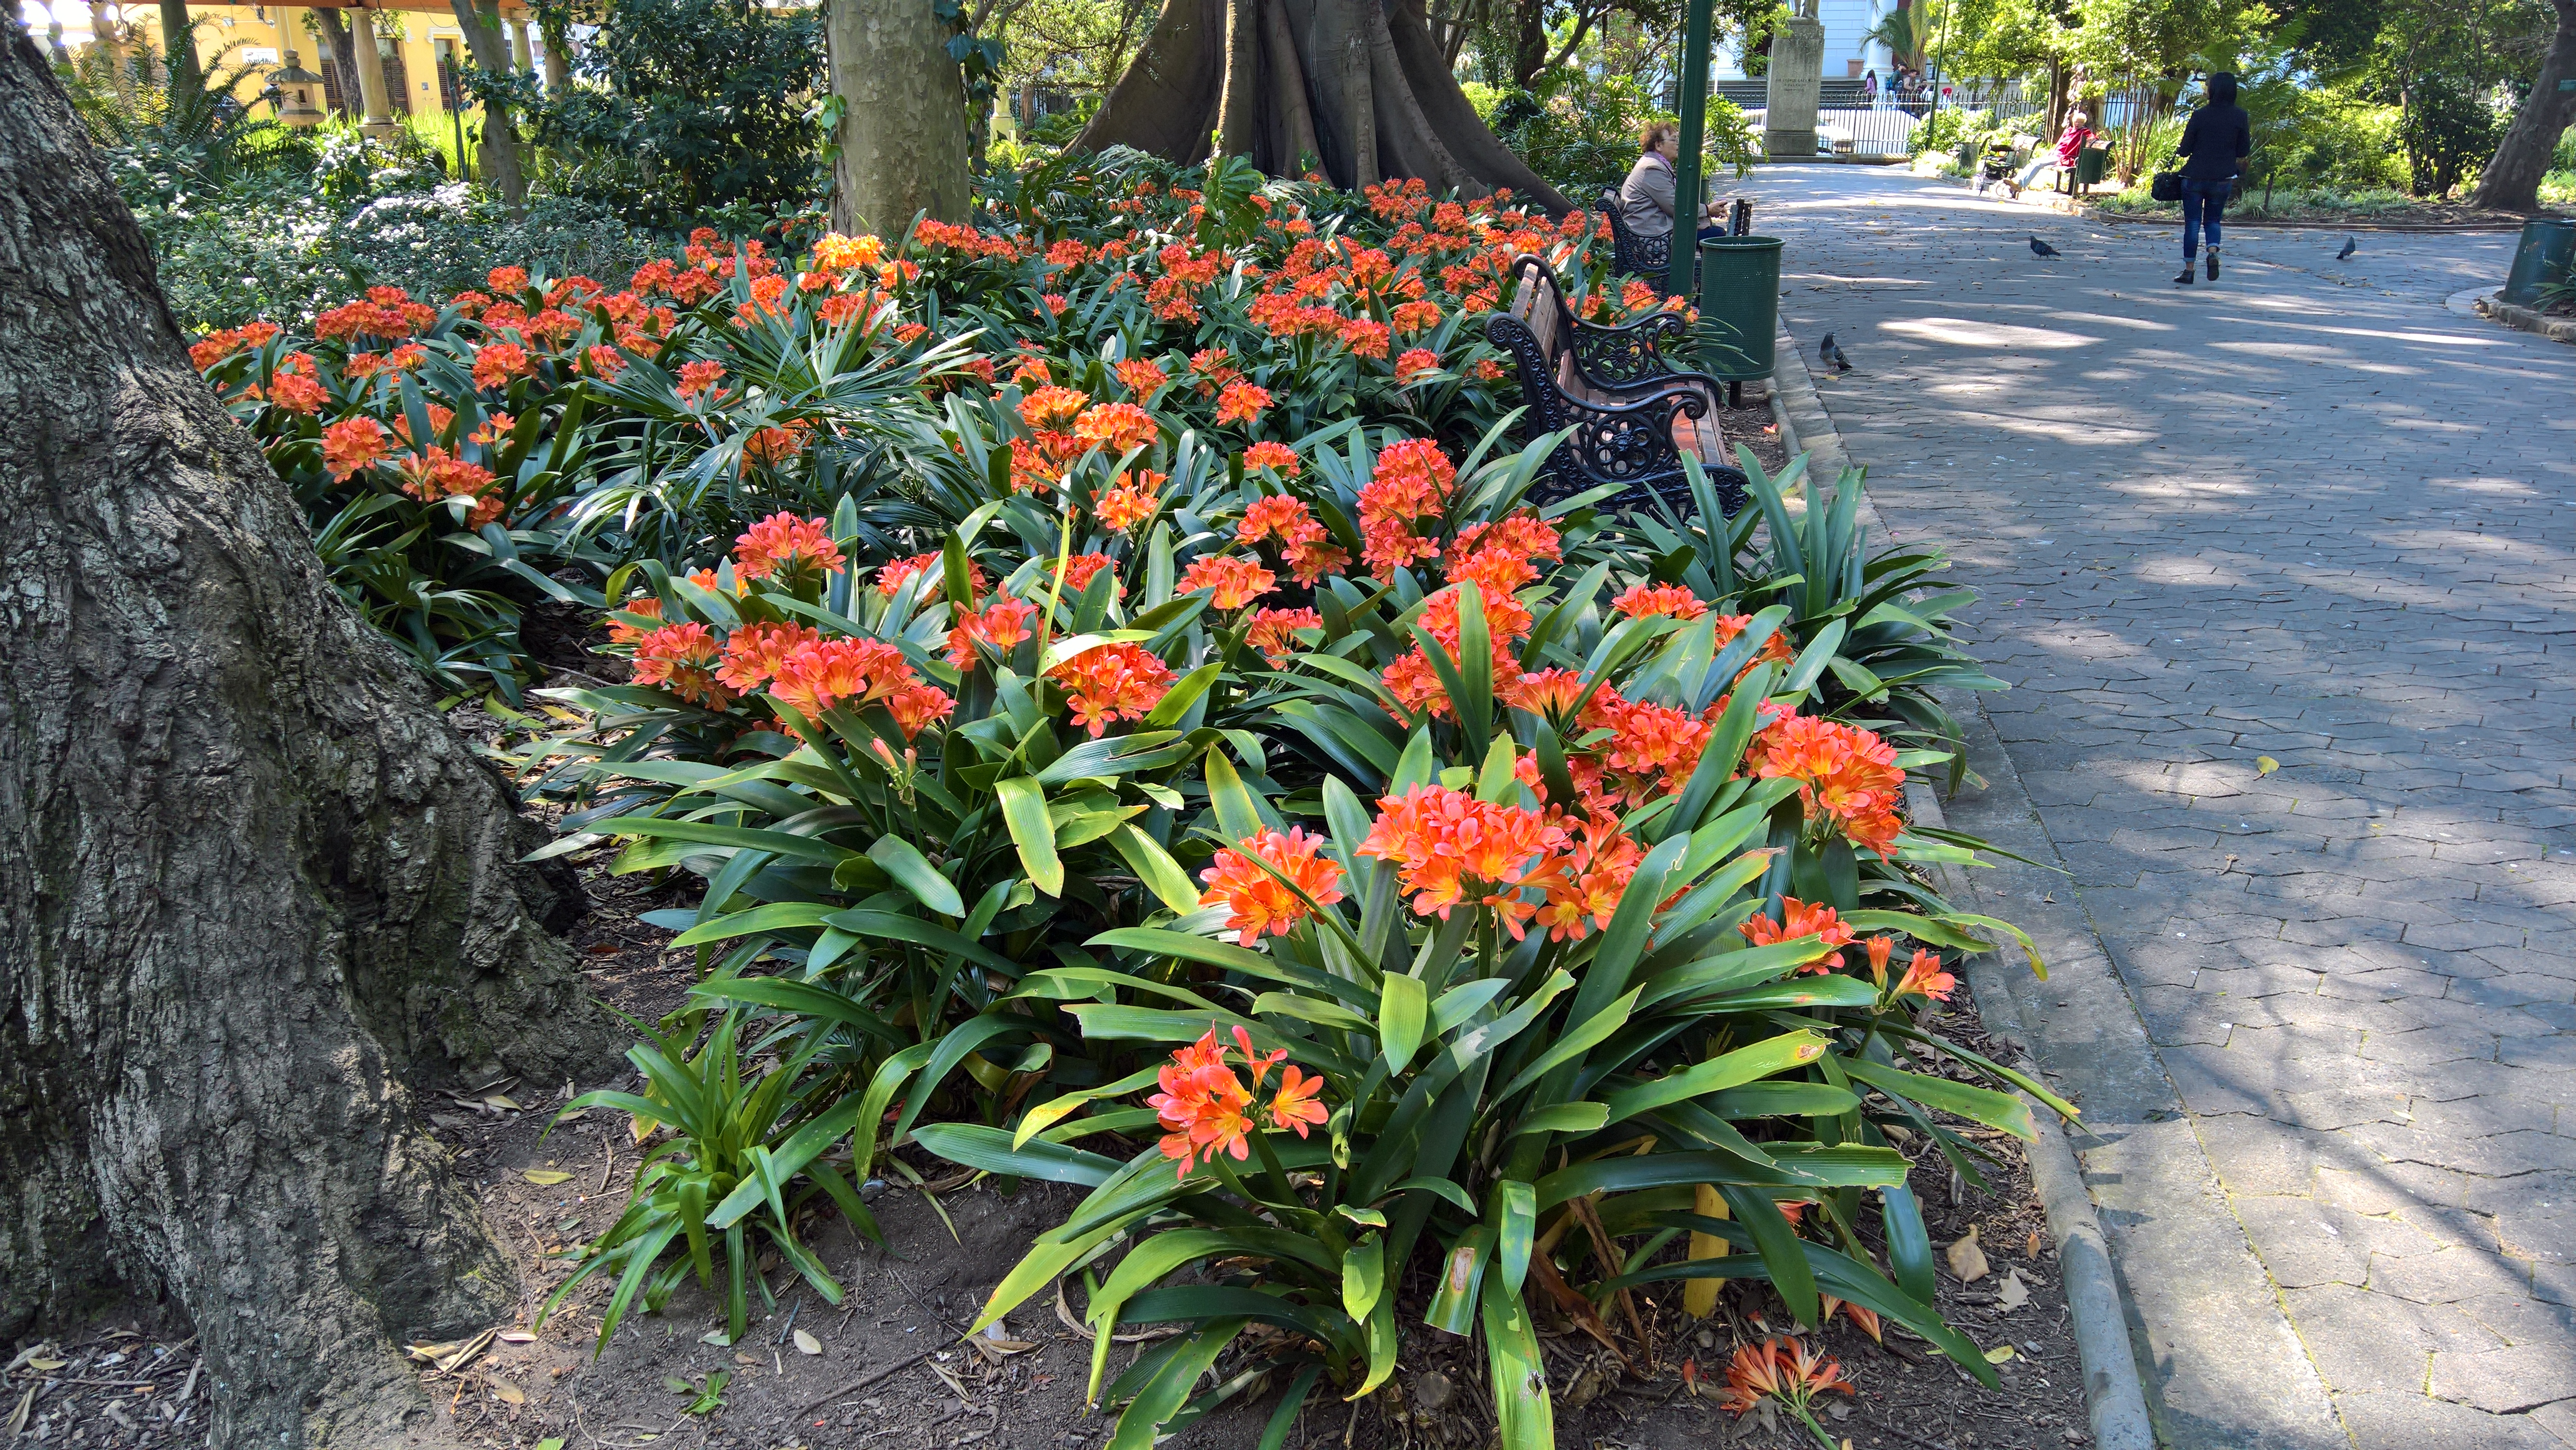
(903, 119)
(340, 53)
(2511, 182)
(501, 152)
(178, 43)
(558, 61)
(1360, 85)
(251, 885)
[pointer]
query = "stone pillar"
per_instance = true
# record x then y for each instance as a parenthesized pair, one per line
(371, 75)
(1796, 84)
(519, 46)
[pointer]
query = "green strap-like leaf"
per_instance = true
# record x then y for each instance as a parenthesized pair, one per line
(1024, 811)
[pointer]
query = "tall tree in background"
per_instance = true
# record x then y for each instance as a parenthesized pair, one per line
(504, 160)
(2511, 181)
(253, 889)
(1359, 84)
(902, 141)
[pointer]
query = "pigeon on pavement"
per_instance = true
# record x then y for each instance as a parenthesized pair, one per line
(2349, 247)
(1831, 352)
(2039, 248)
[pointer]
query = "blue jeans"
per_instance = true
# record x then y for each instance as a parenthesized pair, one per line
(2202, 201)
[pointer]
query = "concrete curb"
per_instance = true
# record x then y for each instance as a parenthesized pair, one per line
(2495, 309)
(2114, 1397)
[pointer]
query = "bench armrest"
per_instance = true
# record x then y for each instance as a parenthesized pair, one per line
(1624, 354)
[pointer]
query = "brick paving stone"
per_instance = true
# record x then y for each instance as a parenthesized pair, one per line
(2311, 514)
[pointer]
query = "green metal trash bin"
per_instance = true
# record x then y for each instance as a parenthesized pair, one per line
(1739, 306)
(2546, 253)
(2091, 164)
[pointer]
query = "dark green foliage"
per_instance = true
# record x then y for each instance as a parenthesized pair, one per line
(695, 105)
(2448, 131)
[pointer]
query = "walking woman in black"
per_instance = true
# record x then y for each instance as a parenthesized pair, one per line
(2215, 142)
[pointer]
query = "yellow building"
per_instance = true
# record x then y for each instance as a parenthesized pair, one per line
(419, 46)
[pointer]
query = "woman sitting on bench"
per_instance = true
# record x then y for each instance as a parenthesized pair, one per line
(2070, 145)
(1648, 197)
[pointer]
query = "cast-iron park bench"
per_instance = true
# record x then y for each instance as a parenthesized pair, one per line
(1631, 410)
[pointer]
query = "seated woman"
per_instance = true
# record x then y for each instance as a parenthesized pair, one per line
(1647, 199)
(2070, 145)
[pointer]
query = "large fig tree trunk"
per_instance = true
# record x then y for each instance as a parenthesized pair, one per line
(1358, 86)
(2511, 181)
(252, 888)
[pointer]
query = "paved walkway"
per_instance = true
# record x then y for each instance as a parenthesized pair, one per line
(2308, 516)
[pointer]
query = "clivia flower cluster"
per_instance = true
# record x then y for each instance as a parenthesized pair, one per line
(1450, 848)
(1786, 1370)
(1208, 1107)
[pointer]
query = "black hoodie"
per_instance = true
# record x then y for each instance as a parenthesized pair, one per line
(2218, 135)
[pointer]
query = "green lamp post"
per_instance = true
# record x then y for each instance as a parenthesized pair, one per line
(1686, 178)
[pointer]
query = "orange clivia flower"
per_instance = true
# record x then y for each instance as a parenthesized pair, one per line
(1208, 1108)
(495, 363)
(1272, 631)
(1002, 624)
(1924, 977)
(1441, 840)
(1280, 516)
(1111, 682)
(1129, 500)
(1241, 403)
(1117, 427)
(1259, 902)
(1848, 776)
(1233, 580)
(1414, 362)
(816, 676)
(352, 444)
(1278, 457)
(891, 577)
(678, 658)
(1783, 1369)
(620, 632)
(755, 653)
(1053, 407)
(1295, 1106)
(786, 545)
(1642, 601)
(1081, 569)
(1140, 376)
(1803, 919)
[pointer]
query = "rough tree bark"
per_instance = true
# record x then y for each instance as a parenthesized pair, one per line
(253, 890)
(2511, 181)
(340, 53)
(1360, 85)
(903, 118)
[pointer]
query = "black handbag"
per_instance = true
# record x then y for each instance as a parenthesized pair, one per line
(2167, 186)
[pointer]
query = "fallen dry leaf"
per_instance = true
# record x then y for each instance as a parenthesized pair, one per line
(546, 1177)
(807, 1344)
(2033, 1246)
(2012, 1293)
(1967, 1260)
(516, 1336)
(506, 1392)
(2265, 765)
